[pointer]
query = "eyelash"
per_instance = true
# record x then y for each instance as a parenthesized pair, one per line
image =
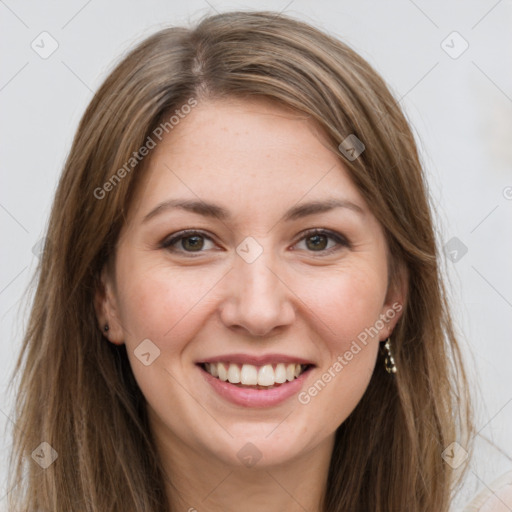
(340, 240)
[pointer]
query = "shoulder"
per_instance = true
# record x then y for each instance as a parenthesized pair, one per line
(497, 497)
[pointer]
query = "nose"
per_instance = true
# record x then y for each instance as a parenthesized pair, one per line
(257, 298)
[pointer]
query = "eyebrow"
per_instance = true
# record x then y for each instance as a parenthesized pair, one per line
(218, 212)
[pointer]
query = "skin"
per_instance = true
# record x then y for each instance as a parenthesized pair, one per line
(257, 160)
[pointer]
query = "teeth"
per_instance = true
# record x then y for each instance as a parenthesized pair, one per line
(280, 373)
(213, 369)
(266, 376)
(234, 374)
(221, 370)
(251, 375)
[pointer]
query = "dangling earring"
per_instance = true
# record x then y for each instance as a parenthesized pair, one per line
(389, 362)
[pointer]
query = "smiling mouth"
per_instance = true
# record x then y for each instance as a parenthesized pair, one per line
(251, 376)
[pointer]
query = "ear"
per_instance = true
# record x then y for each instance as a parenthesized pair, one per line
(106, 307)
(395, 301)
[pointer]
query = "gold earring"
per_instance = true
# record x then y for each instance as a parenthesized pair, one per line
(389, 362)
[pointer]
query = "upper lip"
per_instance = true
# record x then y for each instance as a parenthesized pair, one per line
(256, 360)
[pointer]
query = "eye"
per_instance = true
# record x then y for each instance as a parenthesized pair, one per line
(316, 240)
(323, 241)
(188, 241)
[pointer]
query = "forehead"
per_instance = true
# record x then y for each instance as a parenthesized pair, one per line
(250, 155)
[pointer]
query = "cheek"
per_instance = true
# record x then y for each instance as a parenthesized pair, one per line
(163, 304)
(347, 305)
(346, 302)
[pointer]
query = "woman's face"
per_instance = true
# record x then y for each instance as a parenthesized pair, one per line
(282, 272)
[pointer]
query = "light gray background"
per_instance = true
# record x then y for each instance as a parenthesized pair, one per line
(461, 110)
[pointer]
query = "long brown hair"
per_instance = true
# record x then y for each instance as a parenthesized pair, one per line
(76, 391)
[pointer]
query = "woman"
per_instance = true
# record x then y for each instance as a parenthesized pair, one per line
(239, 304)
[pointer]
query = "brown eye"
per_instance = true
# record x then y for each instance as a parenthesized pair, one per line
(192, 243)
(188, 242)
(322, 241)
(317, 242)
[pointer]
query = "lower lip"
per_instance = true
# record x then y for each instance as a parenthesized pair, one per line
(249, 397)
